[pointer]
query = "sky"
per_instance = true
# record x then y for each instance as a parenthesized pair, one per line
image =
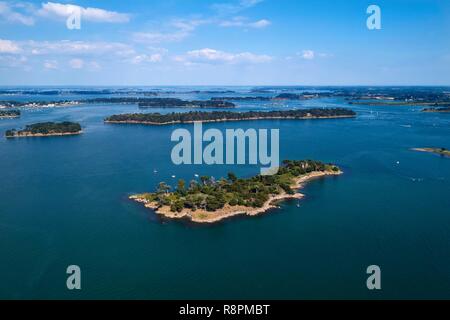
(224, 42)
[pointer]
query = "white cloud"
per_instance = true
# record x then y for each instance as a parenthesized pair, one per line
(13, 61)
(308, 54)
(242, 22)
(156, 57)
(9, 12)
(189, 25)
(80, 54)
(78, 47)
(158, 37)
(59, 10)
(325, 55)
(94, 65)
(76, 63)
(230, 8)
(249, 3)
(181, 30)
(260, 23)
(216, 56)
(51, 64)
(82, 64)
(8, 46)
(311, 54)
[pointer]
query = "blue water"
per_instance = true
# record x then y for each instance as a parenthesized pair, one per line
(63, 201)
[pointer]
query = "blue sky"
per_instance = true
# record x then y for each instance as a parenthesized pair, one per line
(221, 42)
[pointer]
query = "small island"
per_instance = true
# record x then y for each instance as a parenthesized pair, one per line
(210, 200)
(7, 114)
(439, 151)
(45, 129)
(289, 96)
(441, 109)
(221, 116)
(144, 102)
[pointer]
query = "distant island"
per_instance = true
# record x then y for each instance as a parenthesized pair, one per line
(439, 151)
(173, 102)
(45, 129)
(61, 92)
(143, 102)
(281, 96)
(4, 114)
(208, 200)
(290, 96)
(38, 104)
(442, 109)
(241, 98)
(400, 103)
(220, 116)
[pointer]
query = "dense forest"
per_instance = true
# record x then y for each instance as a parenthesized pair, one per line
(211, 194)
(187, 117)
(45, 128)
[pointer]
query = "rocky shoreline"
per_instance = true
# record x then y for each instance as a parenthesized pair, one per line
(225, 120)
(30, 135)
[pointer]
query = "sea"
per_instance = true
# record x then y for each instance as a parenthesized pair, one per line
(64, 201)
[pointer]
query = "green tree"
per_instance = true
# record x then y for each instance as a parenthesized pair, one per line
(163, 188)
(232, 177)
(181, 186)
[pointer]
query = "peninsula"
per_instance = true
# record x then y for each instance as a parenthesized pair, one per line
(439, 151)
(45, 129)
(5, 114)
(441, 109)
(208, 200)
(220, 116)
